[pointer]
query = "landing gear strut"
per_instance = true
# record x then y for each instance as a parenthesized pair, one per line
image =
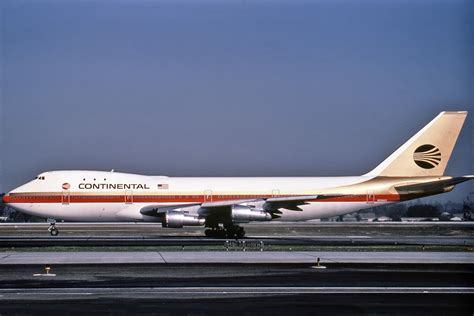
(53, 230)
(228, 231)
(215, 232)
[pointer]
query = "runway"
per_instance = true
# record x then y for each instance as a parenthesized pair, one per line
(235, 288)
(92, 302)
(142, 268)
(206, 292)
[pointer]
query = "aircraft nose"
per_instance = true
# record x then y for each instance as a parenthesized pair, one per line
(6, 198)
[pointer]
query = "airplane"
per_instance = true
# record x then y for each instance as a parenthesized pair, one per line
(221, 204)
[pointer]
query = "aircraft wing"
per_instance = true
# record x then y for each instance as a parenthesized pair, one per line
(271, 205)
(273, 202)
(227, 203)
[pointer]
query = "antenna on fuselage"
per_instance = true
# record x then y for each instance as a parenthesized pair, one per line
(112, 170)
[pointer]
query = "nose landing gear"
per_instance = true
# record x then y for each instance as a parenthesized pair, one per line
(53, 230)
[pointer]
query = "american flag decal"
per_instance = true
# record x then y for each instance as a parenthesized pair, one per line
(162, 186)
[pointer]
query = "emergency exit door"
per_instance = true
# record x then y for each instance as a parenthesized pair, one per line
(208, 196)
(370, 197)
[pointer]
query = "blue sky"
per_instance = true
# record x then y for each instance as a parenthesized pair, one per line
(231, 88)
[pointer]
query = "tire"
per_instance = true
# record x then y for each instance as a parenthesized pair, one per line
(54, 232)
(235, 232)
(240, 232)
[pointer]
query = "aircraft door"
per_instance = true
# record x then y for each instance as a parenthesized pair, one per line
(208, 196)
(275, 193)
(370, 197)
(66, 197)
(128, 197)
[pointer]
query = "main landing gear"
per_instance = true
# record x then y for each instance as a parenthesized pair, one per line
(228, 231)
(53, 230)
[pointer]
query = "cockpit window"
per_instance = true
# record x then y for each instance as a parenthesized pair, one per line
(39, 178)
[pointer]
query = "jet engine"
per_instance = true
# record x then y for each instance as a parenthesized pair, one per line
(245, 214)
(174, 219)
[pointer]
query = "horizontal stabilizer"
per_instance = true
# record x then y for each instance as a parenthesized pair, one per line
(432, 186)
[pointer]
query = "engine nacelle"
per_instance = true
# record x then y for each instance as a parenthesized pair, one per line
(174, 219)
(245, 214)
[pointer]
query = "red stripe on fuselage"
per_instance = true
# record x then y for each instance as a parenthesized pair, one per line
(89, 198)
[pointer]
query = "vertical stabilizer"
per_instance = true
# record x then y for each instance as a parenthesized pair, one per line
(428, 152)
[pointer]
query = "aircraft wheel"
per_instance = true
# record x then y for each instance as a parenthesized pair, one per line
(235, 232)
(54, 231)
(220, 233)
(240, 232)
(215, 233)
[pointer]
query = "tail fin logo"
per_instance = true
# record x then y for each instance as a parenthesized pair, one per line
(427, 156)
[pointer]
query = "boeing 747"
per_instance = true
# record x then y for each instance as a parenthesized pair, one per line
(414, 170)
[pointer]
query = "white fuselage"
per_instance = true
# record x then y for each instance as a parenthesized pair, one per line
(112, 196)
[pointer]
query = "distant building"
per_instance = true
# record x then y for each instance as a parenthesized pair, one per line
(420, 219)
(366, 217)
(383, 219)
